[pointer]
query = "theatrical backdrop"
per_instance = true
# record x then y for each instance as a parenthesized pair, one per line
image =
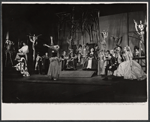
(40, 34)
(83, 22)
(118, 25)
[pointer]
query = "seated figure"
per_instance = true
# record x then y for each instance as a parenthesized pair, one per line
(22, 58)
(112, 63)
(63, 58)
(22, 52)
(72, 61)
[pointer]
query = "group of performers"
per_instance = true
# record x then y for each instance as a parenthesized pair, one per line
(119, 61)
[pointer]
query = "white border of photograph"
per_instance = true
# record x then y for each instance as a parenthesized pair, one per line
(75, 111)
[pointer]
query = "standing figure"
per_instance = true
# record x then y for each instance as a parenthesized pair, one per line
(79, 52)
(8, 51)
(85, 53)
(54, 67)
(69, 41)
(130, 69)
(33, 40)
(118, 54)
(101, 68)
(96, 50)
(103, 42)
(140, 31)
(91, 57)
(38, 63)
(45, 63)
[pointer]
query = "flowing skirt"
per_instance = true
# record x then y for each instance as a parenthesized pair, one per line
(101, 67)
(128, 72)
(54, 69)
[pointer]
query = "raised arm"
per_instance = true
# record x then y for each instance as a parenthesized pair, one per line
(54, 47)
(135, 23)
(46, 45)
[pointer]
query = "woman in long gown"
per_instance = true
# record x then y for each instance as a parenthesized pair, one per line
(79, 53)
(91, 56)
(54, 67)
(130, 69)
(101, 69)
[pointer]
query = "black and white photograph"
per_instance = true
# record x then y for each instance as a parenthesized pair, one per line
(62, 53)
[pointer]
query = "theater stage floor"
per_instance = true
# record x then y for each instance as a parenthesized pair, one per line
(40, 89)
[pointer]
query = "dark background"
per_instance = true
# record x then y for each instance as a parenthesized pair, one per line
(22, 19)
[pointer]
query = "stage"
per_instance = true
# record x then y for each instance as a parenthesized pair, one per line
(41, 89)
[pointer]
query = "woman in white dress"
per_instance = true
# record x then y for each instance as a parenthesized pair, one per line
(130, 69)
(101, 62)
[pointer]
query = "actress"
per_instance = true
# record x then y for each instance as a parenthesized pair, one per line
(130, 69)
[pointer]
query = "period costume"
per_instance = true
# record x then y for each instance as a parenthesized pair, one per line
(72, 61)
(91, 62)
(101, 62)
(38, 64)
(22, 67)
(22, 52)
(8, 51)
(130, 69)
(54, 67)
(64, 58)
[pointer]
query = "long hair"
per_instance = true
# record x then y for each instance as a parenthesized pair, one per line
(129, 50)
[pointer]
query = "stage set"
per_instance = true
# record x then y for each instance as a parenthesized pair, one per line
(74, 53)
